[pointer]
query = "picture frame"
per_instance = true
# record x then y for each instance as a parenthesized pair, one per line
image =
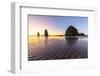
(19, 38)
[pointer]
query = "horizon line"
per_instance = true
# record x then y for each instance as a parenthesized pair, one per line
(53, 35)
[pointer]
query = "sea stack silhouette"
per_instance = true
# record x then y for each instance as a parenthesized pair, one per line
(46, 33)
(72, 31)
(38, 34)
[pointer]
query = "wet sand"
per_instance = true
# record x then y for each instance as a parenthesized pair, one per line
(51, 48)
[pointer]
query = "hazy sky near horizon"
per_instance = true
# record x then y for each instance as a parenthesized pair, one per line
(56, 25)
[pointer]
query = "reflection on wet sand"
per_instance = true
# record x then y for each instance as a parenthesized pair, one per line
(51, 48)
(71, 40)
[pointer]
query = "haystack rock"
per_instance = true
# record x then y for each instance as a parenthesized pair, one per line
(71, 31)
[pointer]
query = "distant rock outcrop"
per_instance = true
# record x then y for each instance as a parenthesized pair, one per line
(38, 34)
(45, 32)
(81, 34)
(72, 31)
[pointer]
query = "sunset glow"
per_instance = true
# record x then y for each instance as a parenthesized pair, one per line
(56, 25)
(57, 37)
